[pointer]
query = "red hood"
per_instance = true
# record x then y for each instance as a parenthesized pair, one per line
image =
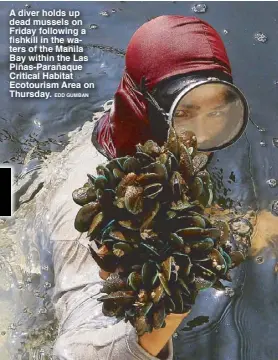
(165, 46)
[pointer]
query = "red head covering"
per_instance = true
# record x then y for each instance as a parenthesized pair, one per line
(161, 48)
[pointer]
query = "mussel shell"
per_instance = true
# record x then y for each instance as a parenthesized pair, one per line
(181, 205)
(227, 258)
(159, 315)
(149, 274)
(203, 245)
(109, 263)
(95, 226)
(158, 169)
(125, 247)
(131, 224)
(134, 199)
(224, 228)
(191, 221)
(110, 309)
(134, 280)
(150, 216)
(177, 299)
(202, 284)
(169, 304)
(166, 266)
(144, 310)
(151, 148)
(237, 258)
(176, 241)
(101, 182)
(157, 293)
(118, 174)
(85, 216)
(164, 283)
(197, 188)
(186, 166)
(182, 260)
(131, 165)
(128, 180)
(216, 255)
(143, 158)
(199, 162)
(151, 191)
(142, 325)
(148, 179)
(91, 179)
(191, 233)
(119, 297)
(203, 272)
(123, 236)
(171, 163)
(184, 286)
(113, 283)
(189, 139)
(172, 143)
(83, 196)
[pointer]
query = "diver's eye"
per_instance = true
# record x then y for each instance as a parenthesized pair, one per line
(182, 113)
(215, 114)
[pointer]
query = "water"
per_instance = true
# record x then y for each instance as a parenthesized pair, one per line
(32, 130)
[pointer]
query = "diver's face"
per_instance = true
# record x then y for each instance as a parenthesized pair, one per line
(207, 112)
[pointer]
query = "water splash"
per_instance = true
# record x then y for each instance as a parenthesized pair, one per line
(199, 8)
(260, 37)
(93, 26)
(104, 13)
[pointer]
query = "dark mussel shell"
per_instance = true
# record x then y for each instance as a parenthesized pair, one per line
(85, 216)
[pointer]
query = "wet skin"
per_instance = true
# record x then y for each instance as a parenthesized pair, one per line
(208, 112)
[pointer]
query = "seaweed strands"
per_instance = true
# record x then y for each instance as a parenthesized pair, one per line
(146, 215)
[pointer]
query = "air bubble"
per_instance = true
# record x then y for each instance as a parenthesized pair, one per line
(27, 6)
(260, 37)
(225, 31)
(43, 311)
(274, 207)
(47, 285)
(259, 259)
(104, 13)
(12, 326)
(272, 183)
(200, 8)
(229, 292)
(3, 333)
(175, 335)
(275, 142)
(93, 26)
(262, 143)
(45, 267)
(113, 10)
(261, 129)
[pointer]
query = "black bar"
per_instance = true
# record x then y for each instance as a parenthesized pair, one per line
(6, 202)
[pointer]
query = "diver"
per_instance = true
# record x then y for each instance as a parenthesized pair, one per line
(177, 72)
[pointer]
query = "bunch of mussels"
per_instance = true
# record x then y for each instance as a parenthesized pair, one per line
(146, 215)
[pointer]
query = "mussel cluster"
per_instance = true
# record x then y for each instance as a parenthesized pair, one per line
(146, 215)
